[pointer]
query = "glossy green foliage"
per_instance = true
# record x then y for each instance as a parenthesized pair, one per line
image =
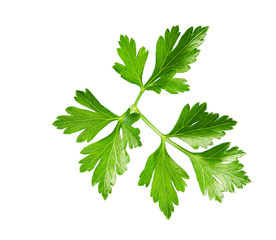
(91, 122)
(133, 69)
(168, 177)
(111, 154)
(172, 58)
(218, 170)
(197, 127)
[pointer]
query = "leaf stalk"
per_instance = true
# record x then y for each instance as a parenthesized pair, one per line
(161, 135)
(139, 96)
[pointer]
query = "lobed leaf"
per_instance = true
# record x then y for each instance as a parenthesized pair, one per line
(168, 177)
(133, 69)
(171, 60)
(91, 122)
(110, 155)
(218, 170)
(197, 127)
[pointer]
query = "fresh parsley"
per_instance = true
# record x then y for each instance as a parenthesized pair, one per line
(218, 169)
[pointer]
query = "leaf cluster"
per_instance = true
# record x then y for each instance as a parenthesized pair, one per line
(217, 169)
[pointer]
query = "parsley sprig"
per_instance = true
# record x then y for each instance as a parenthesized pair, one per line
(217, 169)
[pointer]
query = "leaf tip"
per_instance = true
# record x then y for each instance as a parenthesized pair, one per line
(55, 123)
(78, 92)
(105, 195)
(82, 169)
(167, 214)
(206, 28)
(140, 183)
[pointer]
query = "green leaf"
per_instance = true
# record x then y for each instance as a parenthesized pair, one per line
(87, 99)
(91, 122)
(131, 134)
(171, 60)
(133, 69)
(197, 127)
(111, 156)
(164, 48)
(168, 176)
(218, 170)
(170, 84)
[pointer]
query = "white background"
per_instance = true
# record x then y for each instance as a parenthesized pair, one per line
(49, 49)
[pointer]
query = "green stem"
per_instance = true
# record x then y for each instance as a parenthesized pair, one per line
(164, 137)
(139, 96)
(178, 146)
(151, 125)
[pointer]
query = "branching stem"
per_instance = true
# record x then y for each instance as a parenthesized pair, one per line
(162, 136)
